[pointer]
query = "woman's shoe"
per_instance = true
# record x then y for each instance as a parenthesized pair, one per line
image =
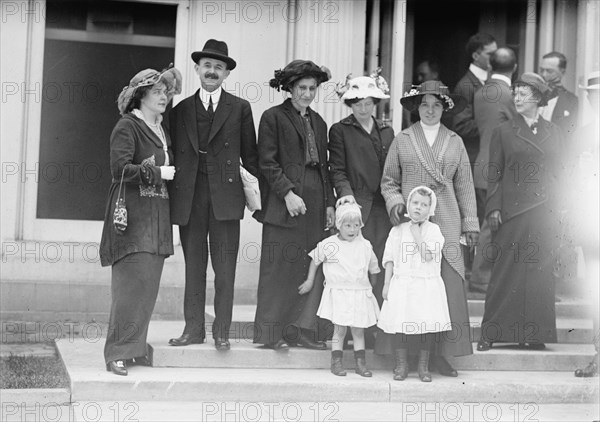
(308, 343)
(443, 367)
(336, 364)
(142, 361)
(401, 369)
(423, 366)
(361, 364)
(533, 346)
(484, 345)
(591, 370)
(117, 367)
(281, 345)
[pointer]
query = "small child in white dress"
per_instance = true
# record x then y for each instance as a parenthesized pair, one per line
(349, 266)
(414, 294)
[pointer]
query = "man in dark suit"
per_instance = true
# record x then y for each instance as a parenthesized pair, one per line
(492, 105)
(479, 48)
(210, 130)
(562, 105)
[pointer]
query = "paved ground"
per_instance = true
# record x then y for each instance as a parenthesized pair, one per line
(117, 411)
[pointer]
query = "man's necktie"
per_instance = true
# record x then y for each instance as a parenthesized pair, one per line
(210, 110)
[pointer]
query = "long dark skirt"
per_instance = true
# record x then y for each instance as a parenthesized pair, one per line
(455, 342)
(284, 265)
(134, 288)
(519, 304)
(376, 230)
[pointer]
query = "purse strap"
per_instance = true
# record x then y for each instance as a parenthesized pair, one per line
(121, 186)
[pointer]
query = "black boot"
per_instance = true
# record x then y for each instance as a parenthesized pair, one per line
(336, 364)
(423, 367)
(401, 369)
(361, 364)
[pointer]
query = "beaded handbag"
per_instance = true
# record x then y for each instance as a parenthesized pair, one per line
(120, 213)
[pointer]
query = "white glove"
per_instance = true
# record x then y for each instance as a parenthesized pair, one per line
(167, 172)
(348, 199)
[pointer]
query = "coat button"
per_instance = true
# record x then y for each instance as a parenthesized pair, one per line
(182, 150)
(228, 162)
(226, 144)
(230, 180)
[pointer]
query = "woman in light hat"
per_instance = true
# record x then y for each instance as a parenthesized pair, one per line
(428, 153)
(523, 213)
(136, 247)
(583, 190)
(358, 146)
(297, 212)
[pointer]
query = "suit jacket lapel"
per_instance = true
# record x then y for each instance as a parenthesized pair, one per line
(292, 114)
(559, 107)
(476, 82)
(221, 114)
(441, 144)
(148, 132)
(543, 130)
(189, 120)
(424, 152)
(523, 133)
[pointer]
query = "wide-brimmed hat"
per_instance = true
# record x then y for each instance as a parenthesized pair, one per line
(361, 87)
(536, 82)
(216, 50)
(453, 103)
(296, 70)
(171, 77)
(592, 82)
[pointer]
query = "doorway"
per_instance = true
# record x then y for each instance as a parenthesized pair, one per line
(91, 51)
(442, 29)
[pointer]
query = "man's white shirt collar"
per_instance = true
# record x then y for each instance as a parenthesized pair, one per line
(205, 96)
(502, 78)
(479, 73)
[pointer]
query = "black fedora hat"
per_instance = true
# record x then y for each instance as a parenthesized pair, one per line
(216, 50)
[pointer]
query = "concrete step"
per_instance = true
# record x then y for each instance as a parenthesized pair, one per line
(569, 330)
(315, 385)
(556, 357)
(266, 411)
(90, 382)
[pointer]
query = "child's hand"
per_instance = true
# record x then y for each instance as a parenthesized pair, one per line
(386, 289)
(305, 287)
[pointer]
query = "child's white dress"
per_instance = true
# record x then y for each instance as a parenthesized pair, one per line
(347, 297)
(417, 302)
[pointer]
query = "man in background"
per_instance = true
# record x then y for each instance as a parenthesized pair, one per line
(479, 48)
(562, 105)
(492, 105)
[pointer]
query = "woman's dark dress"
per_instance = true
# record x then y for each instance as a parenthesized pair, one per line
(519, 305)
(287, 240)
(137, 256)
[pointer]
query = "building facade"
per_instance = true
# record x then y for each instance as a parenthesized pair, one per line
(64, 63)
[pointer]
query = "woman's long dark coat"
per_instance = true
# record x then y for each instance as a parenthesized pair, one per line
(287, 240)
